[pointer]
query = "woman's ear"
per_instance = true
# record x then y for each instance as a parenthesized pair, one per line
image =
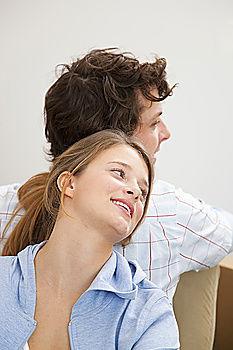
(65, 182)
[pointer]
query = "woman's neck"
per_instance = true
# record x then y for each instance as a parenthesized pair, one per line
(71, 259)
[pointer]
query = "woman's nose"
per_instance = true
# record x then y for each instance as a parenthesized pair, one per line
(132, 191)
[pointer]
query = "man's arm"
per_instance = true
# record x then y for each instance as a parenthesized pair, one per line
(207, 232)
(8, 201)
(180, 233)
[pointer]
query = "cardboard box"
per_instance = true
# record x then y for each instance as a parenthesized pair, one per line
(224, 317)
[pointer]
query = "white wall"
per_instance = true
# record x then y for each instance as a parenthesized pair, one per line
(196, 36)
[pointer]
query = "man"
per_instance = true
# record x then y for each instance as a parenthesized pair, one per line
(110, 90)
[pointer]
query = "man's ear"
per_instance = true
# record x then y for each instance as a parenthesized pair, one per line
(64, 179)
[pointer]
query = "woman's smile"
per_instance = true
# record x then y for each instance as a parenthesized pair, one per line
(125, 206)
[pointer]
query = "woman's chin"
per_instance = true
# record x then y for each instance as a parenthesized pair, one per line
(122, 232)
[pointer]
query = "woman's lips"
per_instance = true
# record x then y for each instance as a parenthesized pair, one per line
(124, 205)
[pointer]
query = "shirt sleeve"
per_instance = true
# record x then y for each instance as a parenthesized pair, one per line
(8, 202)
(162, 333)
(207, 232)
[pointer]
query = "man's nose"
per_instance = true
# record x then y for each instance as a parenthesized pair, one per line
(164, 132)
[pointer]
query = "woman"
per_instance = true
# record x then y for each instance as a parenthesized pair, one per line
(67, 289)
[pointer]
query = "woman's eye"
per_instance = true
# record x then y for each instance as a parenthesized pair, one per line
(119, 172)
(144, 194)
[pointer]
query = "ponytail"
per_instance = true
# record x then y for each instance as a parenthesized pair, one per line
(36, 223)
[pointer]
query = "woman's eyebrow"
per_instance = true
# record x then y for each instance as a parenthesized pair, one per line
(120, 163)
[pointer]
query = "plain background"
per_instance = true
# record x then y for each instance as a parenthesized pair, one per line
(195, 36)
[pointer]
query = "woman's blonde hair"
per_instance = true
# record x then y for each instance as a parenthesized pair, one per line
(40, 197)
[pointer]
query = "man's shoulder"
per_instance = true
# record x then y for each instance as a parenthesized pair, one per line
(8, 202)
(8, 198)
(161, 187)
(5, 190)
(162, 201)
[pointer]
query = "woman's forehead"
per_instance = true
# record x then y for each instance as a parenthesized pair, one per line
(122, 153)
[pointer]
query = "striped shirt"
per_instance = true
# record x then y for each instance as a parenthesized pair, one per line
(180, 233)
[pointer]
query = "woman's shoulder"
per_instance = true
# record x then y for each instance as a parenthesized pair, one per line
(146, 289)
(149, 306)
(152, 296)
(12, 267)
(6, 264)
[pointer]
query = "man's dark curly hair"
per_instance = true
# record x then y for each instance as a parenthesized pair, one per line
(100, 91)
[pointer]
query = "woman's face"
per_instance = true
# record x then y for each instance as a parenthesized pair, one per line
(109, 195)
